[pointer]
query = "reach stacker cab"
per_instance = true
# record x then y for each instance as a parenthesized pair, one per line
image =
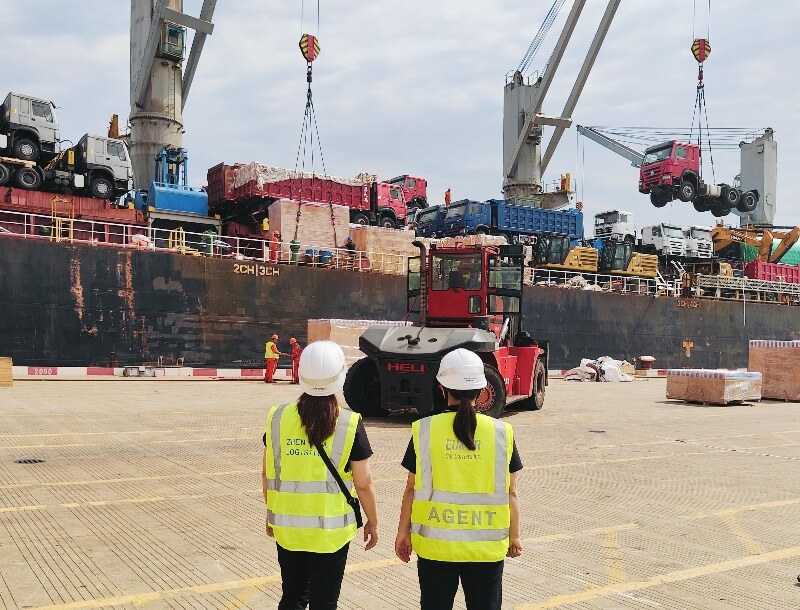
(467, 297)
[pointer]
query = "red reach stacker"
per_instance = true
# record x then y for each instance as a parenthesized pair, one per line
(467, 297)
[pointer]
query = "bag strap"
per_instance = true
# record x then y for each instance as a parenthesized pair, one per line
(353, 502)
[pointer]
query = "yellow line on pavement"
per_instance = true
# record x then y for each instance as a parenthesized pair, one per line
(139, 599)
(118, 443)
(662, 579)
(615, 569)
(736, 528)
(20, 509)
(643, 458)
(592, 532)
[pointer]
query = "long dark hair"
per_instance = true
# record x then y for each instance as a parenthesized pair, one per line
(318, 415)
(466, 420)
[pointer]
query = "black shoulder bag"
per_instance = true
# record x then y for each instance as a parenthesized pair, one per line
(353, 502)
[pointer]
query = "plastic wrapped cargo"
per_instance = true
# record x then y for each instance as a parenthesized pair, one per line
(713, 386)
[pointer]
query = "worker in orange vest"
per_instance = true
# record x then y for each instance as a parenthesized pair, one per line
(275, 248)
(271, 355)
(296, 351)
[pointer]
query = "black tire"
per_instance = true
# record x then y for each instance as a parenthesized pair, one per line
(536, 400)
(720, 211)
(419, 203)
(492, 399)
(387, 222)
(101, 188)
(731, 196)
(362, 388)
(687, 191)
(629, 239)
(481, 231)
(26, 149)
(701, 206)
(658, 199)
(359, 218)
(5, 174)
(28, 178)
(748, 202)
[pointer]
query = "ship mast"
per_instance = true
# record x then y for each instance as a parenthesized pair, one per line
(159, 84)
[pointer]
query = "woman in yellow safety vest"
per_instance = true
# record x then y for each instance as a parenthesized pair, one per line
(460, 512)
(307, 512)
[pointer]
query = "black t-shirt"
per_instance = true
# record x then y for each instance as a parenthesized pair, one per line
(361, 448)
(410, 459)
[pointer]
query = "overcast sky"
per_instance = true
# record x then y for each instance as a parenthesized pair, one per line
(417, 86)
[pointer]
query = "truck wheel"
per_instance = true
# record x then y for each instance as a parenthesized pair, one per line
(387, 222)
(28, 178)
(26, 149)
(719, 211)
(492, 399)
(362, 388)
(747, 203)
(359, 218)
(687, 191)
(5, 174)
(700, 206)
(658, 199)
(731, 197)
(101, 188)
(481, 231)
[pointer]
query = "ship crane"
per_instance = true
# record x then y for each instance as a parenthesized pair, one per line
(523, 161)
(158, 86)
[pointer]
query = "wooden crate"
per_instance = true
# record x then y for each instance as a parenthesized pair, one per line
(710, 386)
(315, 230)
(345, 333)
(6, 373)
(386, 249)
(777, 363)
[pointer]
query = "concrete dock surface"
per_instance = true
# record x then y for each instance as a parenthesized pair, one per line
(148, 493)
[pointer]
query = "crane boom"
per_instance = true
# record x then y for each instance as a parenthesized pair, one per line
(634, 156)
(583, 76)
(762, 239)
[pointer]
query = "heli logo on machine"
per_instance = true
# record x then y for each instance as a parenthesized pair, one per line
(404, 367)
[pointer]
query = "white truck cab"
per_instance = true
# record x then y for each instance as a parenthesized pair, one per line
(665, 240)
(29, 128)
(616, 225)
(699, 243)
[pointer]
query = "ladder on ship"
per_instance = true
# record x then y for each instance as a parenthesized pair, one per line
(62, 221)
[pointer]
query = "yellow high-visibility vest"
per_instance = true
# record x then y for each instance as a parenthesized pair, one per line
(305, 506)
(268, 353)
(461, 509)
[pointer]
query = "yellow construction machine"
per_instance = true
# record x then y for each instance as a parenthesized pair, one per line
(617, 257)
(762, 239)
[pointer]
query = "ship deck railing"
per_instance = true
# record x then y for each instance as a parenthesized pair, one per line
(67, 229)
(600, 282)
(746, 289)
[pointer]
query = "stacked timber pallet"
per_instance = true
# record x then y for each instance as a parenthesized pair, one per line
(386, 249)
(345, 333)
(777, 362)
(6, 373)
(315, 229)
(710, 386)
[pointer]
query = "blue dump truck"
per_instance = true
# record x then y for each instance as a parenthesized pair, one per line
(516, 222)
(430, 221)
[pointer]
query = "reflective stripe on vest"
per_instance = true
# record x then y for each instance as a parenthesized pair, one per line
(306, 512)
(449, 525)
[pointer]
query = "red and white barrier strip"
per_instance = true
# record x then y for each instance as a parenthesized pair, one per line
(72, 372)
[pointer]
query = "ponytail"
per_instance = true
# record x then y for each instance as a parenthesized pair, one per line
(466, 420)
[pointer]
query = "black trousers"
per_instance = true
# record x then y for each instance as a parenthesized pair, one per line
(482, 583)
(311, 578)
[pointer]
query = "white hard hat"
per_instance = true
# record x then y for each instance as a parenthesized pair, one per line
(461, 369)
(322, 369)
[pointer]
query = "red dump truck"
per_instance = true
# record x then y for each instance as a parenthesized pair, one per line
(242, 193)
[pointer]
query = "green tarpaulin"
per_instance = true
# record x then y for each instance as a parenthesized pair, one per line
(792, 257)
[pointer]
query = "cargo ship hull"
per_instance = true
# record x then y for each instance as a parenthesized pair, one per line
(76, 305)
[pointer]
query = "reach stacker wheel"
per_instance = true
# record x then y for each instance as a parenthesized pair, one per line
(536, 401)
(362, 388)
(492, 399)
